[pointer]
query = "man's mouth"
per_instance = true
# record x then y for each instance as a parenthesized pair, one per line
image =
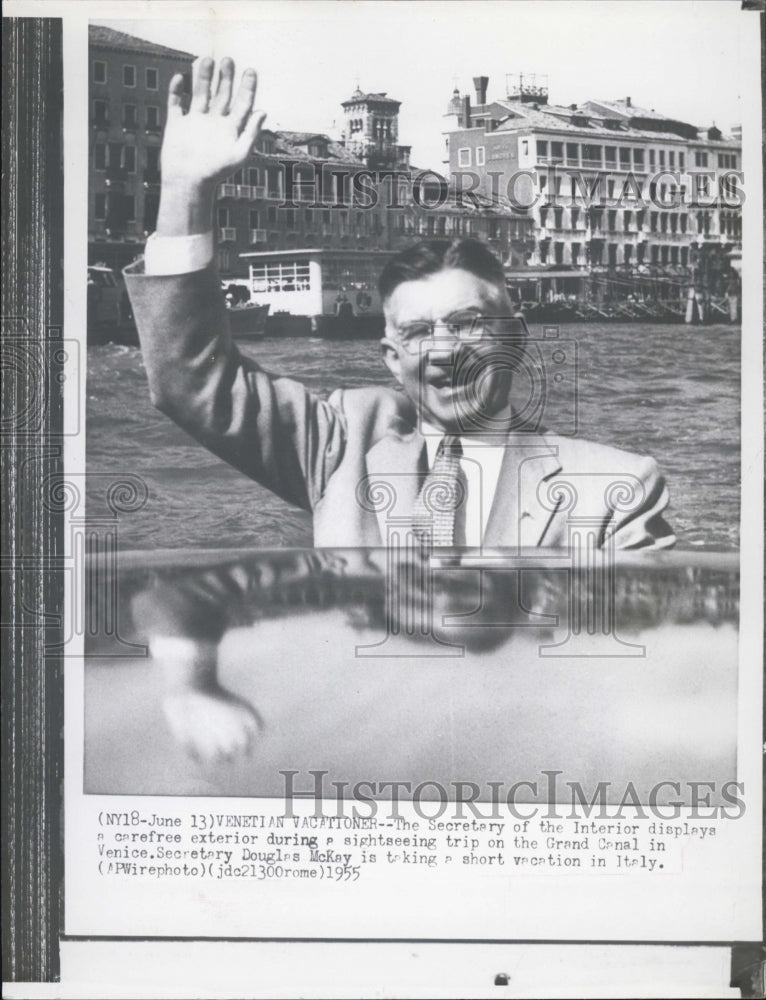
(441, 380)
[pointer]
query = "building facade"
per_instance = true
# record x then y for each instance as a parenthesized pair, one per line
(128, 85)
(608, 185)
(306, 190)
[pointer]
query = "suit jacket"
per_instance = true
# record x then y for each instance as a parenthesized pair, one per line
(356, 459)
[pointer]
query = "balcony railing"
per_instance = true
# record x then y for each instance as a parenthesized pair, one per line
(227, 234)
(258, 236)
(228, 191)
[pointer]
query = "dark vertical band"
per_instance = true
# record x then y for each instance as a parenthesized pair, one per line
(32, 585)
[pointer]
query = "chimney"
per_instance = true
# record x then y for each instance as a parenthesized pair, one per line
(628, 102)
(466, 115)
(480, 84)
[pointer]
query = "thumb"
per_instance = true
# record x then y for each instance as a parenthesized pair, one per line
(250, 132)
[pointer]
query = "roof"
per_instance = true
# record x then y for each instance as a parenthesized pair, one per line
(293, 145)
(524, 116)
(622, 109)
(381, 98)
(100, 35)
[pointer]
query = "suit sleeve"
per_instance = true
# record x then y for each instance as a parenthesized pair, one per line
(637, 521)
(270, 428)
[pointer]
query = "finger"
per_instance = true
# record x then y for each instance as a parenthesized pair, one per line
(202, 79)
(222, 99)
(176, 95)
(243, 104)
(250, 133)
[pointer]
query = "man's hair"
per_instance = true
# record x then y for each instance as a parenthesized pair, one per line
(432, 256)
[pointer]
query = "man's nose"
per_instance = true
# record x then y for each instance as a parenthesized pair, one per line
(442, 355)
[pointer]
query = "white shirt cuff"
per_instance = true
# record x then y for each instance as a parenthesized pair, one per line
(178, 254)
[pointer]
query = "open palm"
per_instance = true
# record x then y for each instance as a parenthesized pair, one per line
(215, 136)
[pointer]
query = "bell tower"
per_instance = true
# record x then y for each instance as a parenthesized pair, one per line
(371, 129)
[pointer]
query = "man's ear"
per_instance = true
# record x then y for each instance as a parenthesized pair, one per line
(391, 358)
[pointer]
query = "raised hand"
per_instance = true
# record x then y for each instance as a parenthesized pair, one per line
(205, 144)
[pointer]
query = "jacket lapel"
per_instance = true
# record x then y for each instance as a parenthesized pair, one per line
(395, 466)
(521, 509)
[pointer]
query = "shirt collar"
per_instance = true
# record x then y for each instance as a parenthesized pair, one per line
(434, 436)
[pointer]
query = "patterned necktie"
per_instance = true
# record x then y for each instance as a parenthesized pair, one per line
(438, 514)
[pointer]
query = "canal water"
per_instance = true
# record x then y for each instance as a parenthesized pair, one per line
(671, 391)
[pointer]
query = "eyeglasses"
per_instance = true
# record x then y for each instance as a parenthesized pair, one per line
(465, 329)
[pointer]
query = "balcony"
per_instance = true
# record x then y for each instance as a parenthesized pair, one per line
(258, 236)
(243, 191)
(227, 234)
(227, 191)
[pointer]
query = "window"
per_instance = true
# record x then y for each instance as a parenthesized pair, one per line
(223, 216)
(672, 159)
(152, 79)
(662, 157)
(464, 157)
(682, 160)
(153, 162)
(224, 260)
(115, 157)
(100, 113)
(271, 215)
(575, 216)
(152, 117)
(624, 158)
(99, 71)
(129, 205)
(129, 159)
(290, 217)
(252, 176)
(480, 156)
(525, 147)
(610, 154)
(100, 206)
(638, 159)
(651, 158)
(283, 276)
(542, 149)
(573, 153)
(128, 116)
(254, 218)
(591, 154)
(557, 151)
(128, 76)
(700, 159)
(99, 156)
(151, 207)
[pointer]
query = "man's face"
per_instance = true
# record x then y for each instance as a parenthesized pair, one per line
(457, 385)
